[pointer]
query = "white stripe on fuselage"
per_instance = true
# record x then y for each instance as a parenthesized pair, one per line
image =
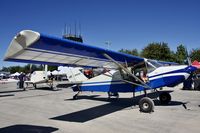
(102, 83)
(167, 71)
(186, 75)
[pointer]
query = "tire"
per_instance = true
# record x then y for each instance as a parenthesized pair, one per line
(165, 98)
(146, 105)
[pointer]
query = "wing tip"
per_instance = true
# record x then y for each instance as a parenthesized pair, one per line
(22, 40)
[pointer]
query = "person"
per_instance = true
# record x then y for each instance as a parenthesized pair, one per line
(144, 76)
(21, 80)
(51, 77)
(187, 84)
(88, 73)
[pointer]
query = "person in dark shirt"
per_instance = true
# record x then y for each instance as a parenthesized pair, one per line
(51, 77)
(21, 80)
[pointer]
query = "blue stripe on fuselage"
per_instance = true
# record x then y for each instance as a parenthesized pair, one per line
(125, 87)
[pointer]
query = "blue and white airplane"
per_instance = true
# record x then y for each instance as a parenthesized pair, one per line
(124, 73)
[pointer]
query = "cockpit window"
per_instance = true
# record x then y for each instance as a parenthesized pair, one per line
(154, 63)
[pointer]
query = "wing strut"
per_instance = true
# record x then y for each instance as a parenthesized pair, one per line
(126, 70)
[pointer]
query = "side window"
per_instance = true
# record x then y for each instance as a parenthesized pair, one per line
(150, 68)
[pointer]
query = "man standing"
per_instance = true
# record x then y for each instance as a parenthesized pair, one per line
(21, 81)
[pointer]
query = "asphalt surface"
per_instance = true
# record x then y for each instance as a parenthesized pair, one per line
(46, 111)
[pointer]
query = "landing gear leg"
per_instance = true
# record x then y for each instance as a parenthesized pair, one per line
(75, 97)
(35, 86)
(145, 92)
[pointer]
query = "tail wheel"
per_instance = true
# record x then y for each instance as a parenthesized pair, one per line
(146, 105)
(165, 98)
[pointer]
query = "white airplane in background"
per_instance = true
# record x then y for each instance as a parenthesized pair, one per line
(123, 71)
(74, 76)
(38, 77)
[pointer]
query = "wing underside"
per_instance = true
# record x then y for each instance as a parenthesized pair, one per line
(33, 47)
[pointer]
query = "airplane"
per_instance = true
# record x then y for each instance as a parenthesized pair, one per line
(38, 77)
(124, 73)
(74, 76)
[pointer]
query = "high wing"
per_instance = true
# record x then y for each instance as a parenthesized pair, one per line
(167, 63)
(33, 47)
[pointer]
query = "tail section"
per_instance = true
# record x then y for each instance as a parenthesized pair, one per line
(74, 74)
(38, 76)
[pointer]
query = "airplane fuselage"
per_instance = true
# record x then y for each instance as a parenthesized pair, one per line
(113, 81)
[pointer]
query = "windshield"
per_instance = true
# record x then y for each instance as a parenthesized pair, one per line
(154, 63)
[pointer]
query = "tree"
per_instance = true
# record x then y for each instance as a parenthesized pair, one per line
(165, 52)
(132, 52)
(173, 57)
(5, 69)
(157, 51)
(52, 68)
(181, 54)
(195, 54)
(14, 69)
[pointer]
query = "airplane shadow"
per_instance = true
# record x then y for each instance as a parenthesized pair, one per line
(11, 91)
(112, 106)
(95, 112)
(64, 85)
(42, 88)
(27, 129)
(7, 95)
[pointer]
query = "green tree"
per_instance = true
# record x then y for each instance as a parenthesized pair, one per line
(27, 68)
(173, 57)
(157, 51)
(14, 69)
(195, 54)
(5, 69)
(132, 52)
(52, 68)
(181, 54)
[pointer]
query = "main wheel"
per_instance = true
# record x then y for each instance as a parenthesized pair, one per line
(146, 105)
(165, 98)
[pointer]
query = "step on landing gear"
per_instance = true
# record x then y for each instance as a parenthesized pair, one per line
(113, 94)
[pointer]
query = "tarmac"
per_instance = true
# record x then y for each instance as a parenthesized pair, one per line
(47, 111)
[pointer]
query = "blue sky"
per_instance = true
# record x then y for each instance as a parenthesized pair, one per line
(125, 23)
